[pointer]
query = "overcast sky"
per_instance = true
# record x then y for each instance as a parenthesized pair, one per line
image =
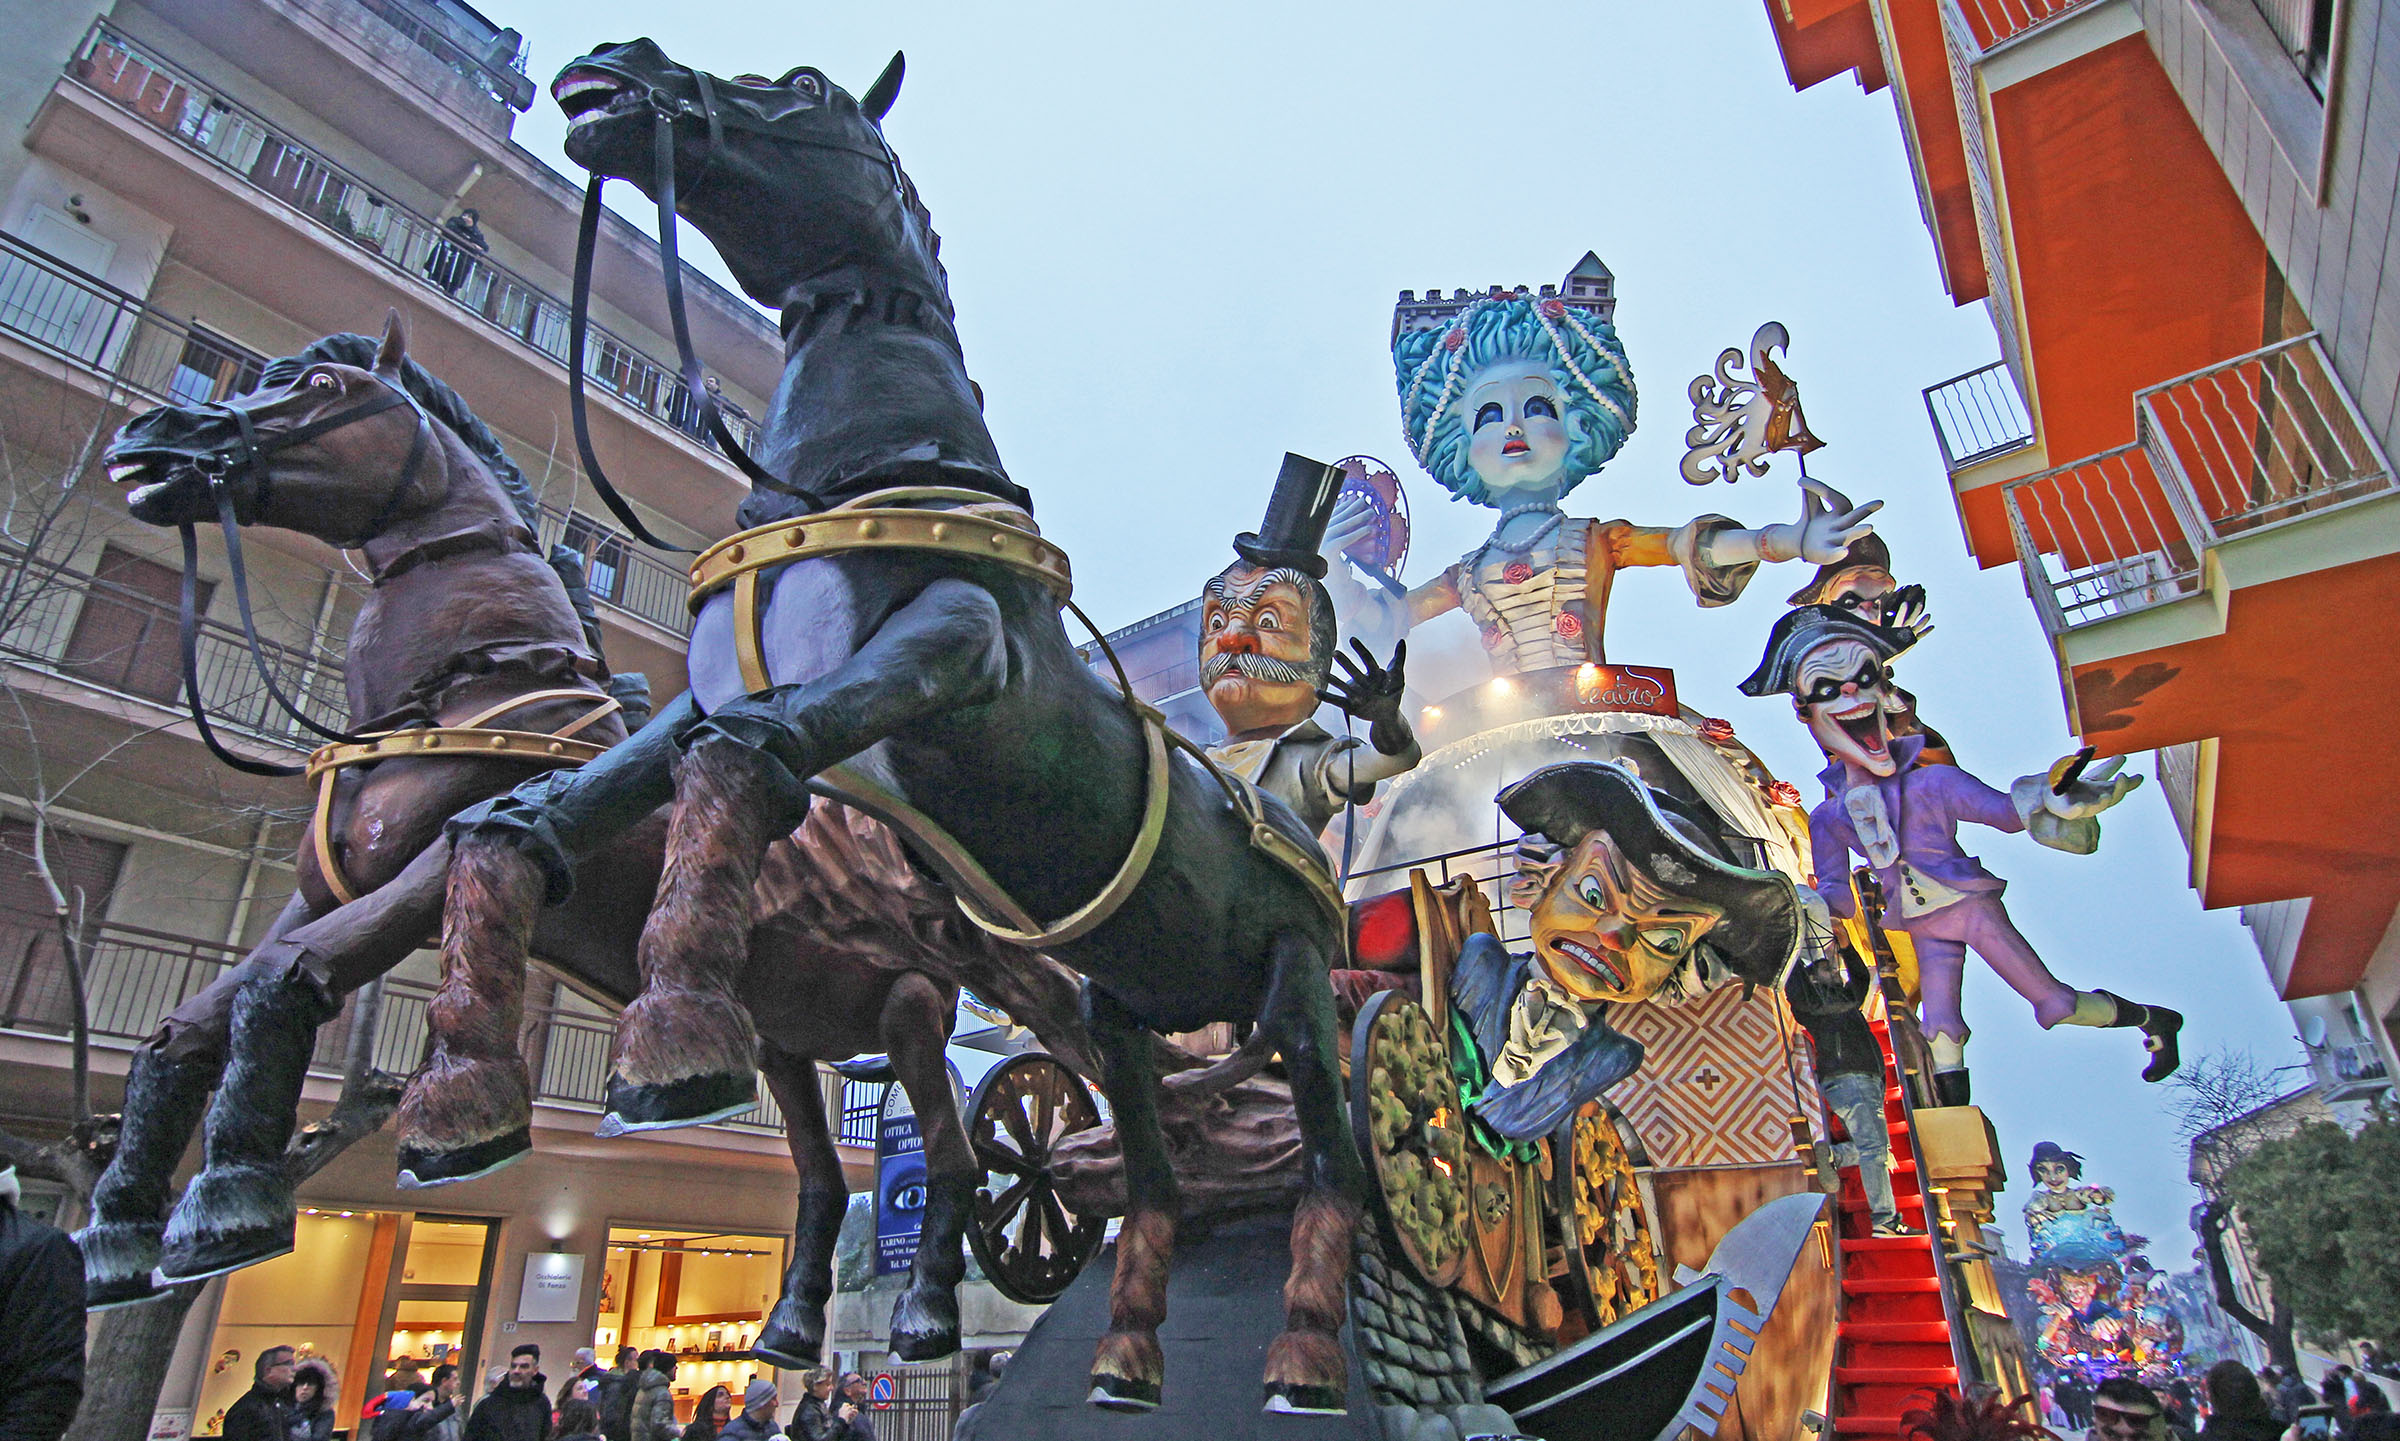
(1174, 239)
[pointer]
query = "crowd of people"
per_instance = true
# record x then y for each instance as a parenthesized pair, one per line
(2234, 1403)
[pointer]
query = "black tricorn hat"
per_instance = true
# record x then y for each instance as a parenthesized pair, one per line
(1674, 845)
(1296, 515)
(2053, 1151)
(1866, 551)
(1802, 629)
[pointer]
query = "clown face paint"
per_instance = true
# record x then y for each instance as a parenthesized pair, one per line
(1256, 649)
(1516, 432)
(1605, 930)
(1864, 592)
(1844, 695)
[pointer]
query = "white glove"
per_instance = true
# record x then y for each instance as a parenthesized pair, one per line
(2094, 791)
(1828, 525)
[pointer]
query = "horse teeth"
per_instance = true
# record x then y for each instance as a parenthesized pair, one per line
(127, 472)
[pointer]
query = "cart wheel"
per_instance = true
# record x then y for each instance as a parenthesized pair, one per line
(1404, 1109)
(1029, 1244)
(1612, 1267)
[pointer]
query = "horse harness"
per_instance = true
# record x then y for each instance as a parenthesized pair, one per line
(979, 527)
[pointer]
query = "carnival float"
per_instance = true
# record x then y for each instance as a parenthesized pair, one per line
(1511, 1092)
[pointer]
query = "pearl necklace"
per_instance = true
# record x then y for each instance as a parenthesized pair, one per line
(1540, 534)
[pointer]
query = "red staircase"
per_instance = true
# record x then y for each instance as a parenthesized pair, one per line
(1892, 1344)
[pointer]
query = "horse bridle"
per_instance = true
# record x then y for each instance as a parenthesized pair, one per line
(665, 107)
(220, 468)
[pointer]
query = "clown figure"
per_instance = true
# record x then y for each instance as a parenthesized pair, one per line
(1511, 402)
(1267, 657)
(1886, 804)
(1631, 897)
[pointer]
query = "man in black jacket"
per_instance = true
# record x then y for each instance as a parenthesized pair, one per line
(41, 1322)
(519, 1410)
(265, 1411)
(1826, 997)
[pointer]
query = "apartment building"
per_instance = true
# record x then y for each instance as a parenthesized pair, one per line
(2180, 217)
(189, 187)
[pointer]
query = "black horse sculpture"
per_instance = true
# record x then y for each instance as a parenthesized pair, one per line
(464, 616)
(903, 644)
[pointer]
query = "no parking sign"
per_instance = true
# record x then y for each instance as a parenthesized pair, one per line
(884, 1388)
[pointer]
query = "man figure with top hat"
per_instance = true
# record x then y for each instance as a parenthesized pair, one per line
(1886, 803)
(1268, 649)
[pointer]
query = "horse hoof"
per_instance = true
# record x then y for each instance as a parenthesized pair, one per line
(786, 1346)
(229, 1217)
(118, 1257)
(426, 1166)
(925, 1325)
(1306, 1401)
(1123, 1393)
(691, 1101)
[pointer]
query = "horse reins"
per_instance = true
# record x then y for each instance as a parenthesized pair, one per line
(220, 469)
(664, 108)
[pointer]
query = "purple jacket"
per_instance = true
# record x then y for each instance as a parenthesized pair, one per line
(1926, 803)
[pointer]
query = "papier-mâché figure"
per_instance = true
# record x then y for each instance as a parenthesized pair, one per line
(1886, 804)
(1632, 897)
(1268, 648)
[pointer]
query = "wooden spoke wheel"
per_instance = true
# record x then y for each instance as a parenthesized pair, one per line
(1612, 1265)
(1404, 1110)
(1028, 1243)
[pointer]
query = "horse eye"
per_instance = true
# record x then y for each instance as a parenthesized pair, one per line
(802, 80)
(322, 381)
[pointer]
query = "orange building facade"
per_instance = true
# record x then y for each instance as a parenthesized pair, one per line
(2178, 214)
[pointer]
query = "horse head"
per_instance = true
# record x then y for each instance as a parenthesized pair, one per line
(787, 178)
(340, 452)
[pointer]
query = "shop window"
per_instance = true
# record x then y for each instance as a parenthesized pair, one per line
(34, 986)
(443, 1284)
(320, 1298)
(699, 1295)
(125, 635)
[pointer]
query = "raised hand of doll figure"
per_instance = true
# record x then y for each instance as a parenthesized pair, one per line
(1366, 690)
(1353, 520)
(2092, 792)
(1828, 524)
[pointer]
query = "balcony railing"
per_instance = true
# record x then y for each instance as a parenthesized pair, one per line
(496, 68)
(1978, 416)
(2348, 1072)
(2244, 446)
(1990, 22)
(239, 141)
(54, 307)
(116, 639)
(622, 574)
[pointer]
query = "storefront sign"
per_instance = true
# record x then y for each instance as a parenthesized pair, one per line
(553, 1287)
(171, 1425)
(899, 1182)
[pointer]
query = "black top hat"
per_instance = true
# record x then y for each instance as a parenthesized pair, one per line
(1867, 550)
(1296, 515)
(1802, 629)
(1681, 850)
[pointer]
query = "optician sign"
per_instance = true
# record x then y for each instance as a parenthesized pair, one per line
(553, 1287)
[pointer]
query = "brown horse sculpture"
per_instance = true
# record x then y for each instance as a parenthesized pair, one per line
(466, 620)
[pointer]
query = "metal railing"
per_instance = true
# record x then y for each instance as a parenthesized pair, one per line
(241, 142)
(1978, 416)
(42, 608)
(862, 1103)
(500, 76)
(80, 318)
(2242, 446)
(1993, 21)
(622, 574)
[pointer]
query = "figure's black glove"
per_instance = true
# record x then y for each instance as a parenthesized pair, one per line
(1372, 693)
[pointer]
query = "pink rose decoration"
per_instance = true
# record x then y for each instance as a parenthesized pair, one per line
(1716, 731)
(1516, 572)
(1784, 793)
(1554, 308)
(1456, 338)
(1568, 624)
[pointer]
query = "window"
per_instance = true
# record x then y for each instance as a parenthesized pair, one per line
(212, 368)
(34, 990)
(604, 555)
(2305, 30)
(125, 636)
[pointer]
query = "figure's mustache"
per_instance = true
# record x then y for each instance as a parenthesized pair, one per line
(1251, 666)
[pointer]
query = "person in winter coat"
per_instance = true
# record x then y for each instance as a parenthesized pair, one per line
(311, 1416)
(612, 1392)
(265, 1411)
(431, 1416)
(654, 1399)
(519, 1408)
(814, 1420)
(715, 1408)
(578, 1420)
(757, 1421)
(2237, 1408)
(41, 1322)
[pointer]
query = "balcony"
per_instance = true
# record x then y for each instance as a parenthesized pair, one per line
(2352, 1072)
(495, 65)
(2241, 449)
(136, 976)
(1978, 416)
(1993, 22)
(232, 138)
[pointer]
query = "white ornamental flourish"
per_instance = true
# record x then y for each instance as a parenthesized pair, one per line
(1731, 411)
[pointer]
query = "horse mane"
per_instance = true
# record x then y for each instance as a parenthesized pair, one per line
(451, 409)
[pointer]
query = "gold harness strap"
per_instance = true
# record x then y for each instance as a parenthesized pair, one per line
(982, 528)
(471, 739)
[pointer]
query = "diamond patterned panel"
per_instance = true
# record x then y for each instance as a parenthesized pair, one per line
(1714, 1088)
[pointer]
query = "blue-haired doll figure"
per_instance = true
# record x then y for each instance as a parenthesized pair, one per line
(1511, 403)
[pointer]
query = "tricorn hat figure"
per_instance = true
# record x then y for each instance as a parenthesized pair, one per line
(1868, 552)
(1802, 629)
(2053, 1151)
(1296, 516)
(1681, 848)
